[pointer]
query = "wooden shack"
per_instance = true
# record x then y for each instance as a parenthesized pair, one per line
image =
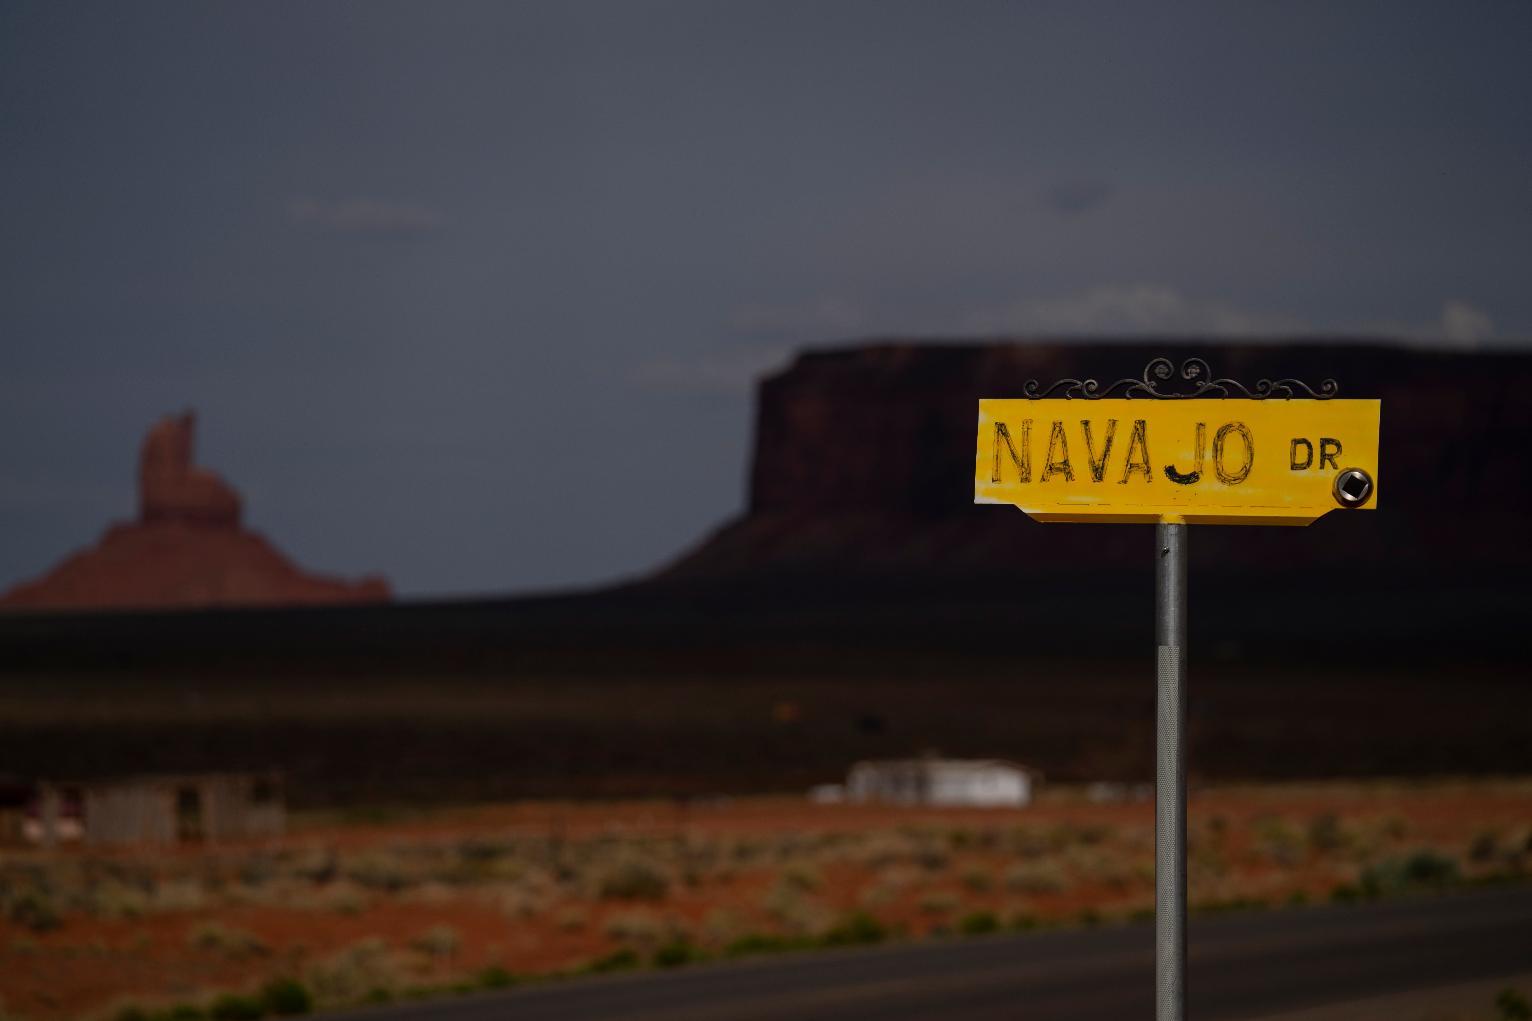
(208, 807)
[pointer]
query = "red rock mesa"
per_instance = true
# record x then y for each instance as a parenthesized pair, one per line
(186, 550)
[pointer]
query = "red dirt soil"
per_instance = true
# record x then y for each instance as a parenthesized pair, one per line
(88, 965)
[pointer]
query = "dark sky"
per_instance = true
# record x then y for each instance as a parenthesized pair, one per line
(473, 294)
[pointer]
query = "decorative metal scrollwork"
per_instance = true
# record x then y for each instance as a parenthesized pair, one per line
(1199, 379)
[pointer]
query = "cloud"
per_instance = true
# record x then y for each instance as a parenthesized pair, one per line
(770, 333)
(824, 317)
(1130, 308)
(1465, 325)
(714, 373)
(777, 331)
(1460, 325)
(364, 217)
(1079, 196)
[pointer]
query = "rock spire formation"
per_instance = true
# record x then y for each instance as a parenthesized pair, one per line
(187, 550)
(171, 488)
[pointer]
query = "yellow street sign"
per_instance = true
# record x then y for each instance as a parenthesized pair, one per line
(1222, 461)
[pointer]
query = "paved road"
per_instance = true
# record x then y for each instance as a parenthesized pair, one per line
(1241, 967)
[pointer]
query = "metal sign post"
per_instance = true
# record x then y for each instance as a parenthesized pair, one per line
(1279, 453)
(1170, 773)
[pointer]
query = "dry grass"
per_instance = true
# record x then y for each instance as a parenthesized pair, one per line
(367, 912)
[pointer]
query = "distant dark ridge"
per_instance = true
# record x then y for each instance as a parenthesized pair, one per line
(863, 464)
(860, 533)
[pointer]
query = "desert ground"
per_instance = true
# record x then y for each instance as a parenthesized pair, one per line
(352, 908)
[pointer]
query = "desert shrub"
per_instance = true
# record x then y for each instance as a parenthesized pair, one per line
(719, 927)
(183, 893)
(234, 1007)
(676, 953)
(519, 900)
(573, 918)
(880, 850)
(798, 914)
(1035, 877)
(1280, 841)
(478, 850)
(1346, 893)
(855, 929)
(1513, 1006)
(32, 908)
(641, 927)
(176, 1012)
(762, 943)
(1208, 856)
(978, 922)
(960, 839)
(378, 870)
(114, 899)
(1423, 870)
(1229, 905)
(746, 851)
(258, 869)
(939, 902)
(633, 879)
(1428, 868)
(898, 877)
(438, 941)
(286, 997)
(878, 894)
(1028, 841)
(1326, 832)
(495, 977)
(343, 896)
(932, 858)
(801, 877)
(315, 864)
(359, 972)
(214, 937)
(618, 960)
(1514, 848)
(979, 880)
(432, 891)
(1103, 867)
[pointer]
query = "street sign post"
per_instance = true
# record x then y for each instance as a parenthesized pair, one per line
(1212, 451)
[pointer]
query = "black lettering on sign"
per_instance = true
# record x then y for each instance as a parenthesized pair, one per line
(1308, 454)
(1196, 472)
(1139, 441)
(1023, 462)
(1059, 465)
(1225, 476)
(1329, 450)
(1098, 467)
